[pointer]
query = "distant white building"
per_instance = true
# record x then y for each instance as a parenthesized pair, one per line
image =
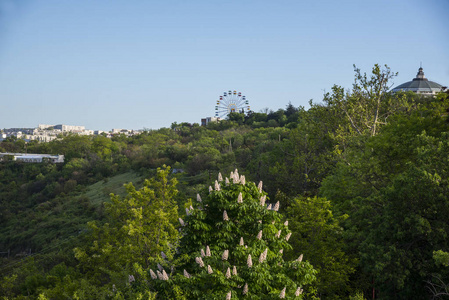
(208, 120)
(33, 158)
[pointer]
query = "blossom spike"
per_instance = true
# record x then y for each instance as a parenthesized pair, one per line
(286, 223)
(278, 234)
(245, 289)
(262, 200)
(241, 241)
(164, 275)
(153, 275)
(225, 216)
(225, 255)
(259, 186)
(199, 261)
(198, 198)
(259, 235)
(287, 237)
(209, 269)
(228, 295)
(234, 271)
(163, 255)
(207, 251)
(181, 221)
(298, 291)
(202, 253)
(282, 294)
(276, 206)
(299, 259)
(227, 181)
(220, 178)
(243, 180)
(217, 185)
(249, 261)
(228, 273)
(240, 198)
(269, 207)
(187, 212)
(186, 274)
(210, 189)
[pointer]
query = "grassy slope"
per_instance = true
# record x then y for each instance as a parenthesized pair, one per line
(51, 222)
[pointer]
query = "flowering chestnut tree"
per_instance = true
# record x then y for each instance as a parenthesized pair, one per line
(232, 248)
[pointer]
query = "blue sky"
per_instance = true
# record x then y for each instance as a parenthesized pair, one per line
(146, 64)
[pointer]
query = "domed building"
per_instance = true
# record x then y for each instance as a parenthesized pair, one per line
(420, 85)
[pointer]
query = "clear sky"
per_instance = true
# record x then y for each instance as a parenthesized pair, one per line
(145, 64)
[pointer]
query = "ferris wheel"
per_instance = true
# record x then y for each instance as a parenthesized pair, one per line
(231, 101)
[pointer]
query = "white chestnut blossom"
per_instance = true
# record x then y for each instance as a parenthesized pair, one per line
(131, 278)
(259, 186)
(281, 251)
(159, 275)
(240, 198)
(276, 206)
(263, 256)
(298, 291)
(199, 261)
(209, 269)
(198, 198)
(153, 275)
(225, 216)
(159, 267)
(225, 255)
(202, 253)
(278, 234)
(186, 274)
(249, 261)
(163, 255)
(181, 221)
(207, 251)
(259, 235)
(227, 181)
(245, 289)
(282, 294)
(269, 207)
(234, 271)
(241, 241)
(220, 178)
(243, 179)
(287, 237)
(164, 275)
(299, 259)
(210, 189)
(286, 223)
(262, 200)
(228, 295)
(217, 186)
(228, 273)
(187, 212)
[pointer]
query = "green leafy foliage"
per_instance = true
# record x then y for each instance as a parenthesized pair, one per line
(232, 248)
(319, 235)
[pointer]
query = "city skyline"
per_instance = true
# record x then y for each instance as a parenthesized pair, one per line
(112, 64)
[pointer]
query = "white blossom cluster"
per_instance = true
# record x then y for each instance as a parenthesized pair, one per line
(225, 255)
(199, 261)
(263, 256)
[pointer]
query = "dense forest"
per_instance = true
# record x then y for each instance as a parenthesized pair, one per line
(344, 200)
